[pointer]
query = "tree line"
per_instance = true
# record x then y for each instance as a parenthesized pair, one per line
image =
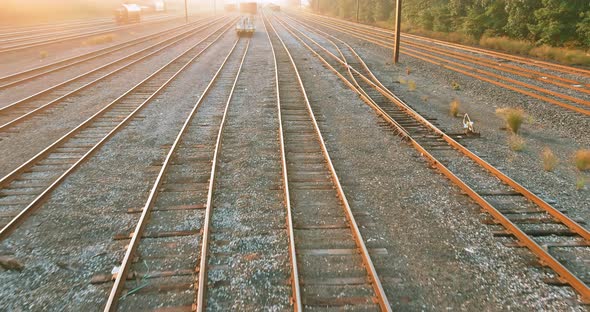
(551, 22)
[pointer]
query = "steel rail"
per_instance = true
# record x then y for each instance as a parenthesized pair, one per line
(572, 225)
(166, 44)
(519, 59)
(123, 271)
(13, 79)
(51, 25)
(538, 76)
(445, 64)
(343, 58)
(13, 224)
(295, 287)
(376, 282)
(21, 36)
(15, 32)
(517, 70)
(202, 289)
(24, 46)
(544, 257)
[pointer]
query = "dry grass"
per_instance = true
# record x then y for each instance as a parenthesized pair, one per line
(562, 55)
(568, 55)
(580, 182)
(402, 80)
(549, 159)
(411, 85)
(454, 108)
(43, 54)
(96, 40)
(506, 44)
(516, 143)
(455, 86)
(425, 99)
(514, 118)
(582, 160)
(408, 71)
(450, 36)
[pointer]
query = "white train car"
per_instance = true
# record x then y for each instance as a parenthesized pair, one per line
(127, 14)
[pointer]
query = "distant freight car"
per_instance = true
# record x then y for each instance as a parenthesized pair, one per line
(128, 13)
(248, 8)
(274, 7)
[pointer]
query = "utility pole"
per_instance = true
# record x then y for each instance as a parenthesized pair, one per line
(319, 10)
(185, 11)
(357, 10)
(398, 21)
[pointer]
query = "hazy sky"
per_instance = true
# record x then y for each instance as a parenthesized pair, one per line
(32, 11)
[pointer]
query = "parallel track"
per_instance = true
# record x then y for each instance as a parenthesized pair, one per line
(15, 79)
(503, 56)
(317, 207)
(10, 31)
(181, 189)
(535, 224)
(433, 55)
(17, 112)
(57, 39)
(201, 300)
(25, 188)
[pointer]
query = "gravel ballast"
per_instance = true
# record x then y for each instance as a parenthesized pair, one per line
(439, 254)
(69, 239)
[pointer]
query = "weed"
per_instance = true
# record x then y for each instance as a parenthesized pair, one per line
(549, 159)
(43, 54)
(455, 86)
(454, 108)
(411, 85)
(582, 160)
(568, 55)
(408, 71)
(516, 143)
(563, 55)
(506, 44)
(425, 98)
(514, 118)
(401, 80)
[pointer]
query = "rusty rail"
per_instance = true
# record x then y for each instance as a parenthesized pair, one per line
(545, 258)
(375, 281)
(143, 219)
(479, 73)
(202, 288)
(18, 219)
(296, 289)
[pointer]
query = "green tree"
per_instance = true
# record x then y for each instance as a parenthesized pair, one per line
(557, 21)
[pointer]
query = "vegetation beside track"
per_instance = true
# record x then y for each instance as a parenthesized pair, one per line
(557, 30)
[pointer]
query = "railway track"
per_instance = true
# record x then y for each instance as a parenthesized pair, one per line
(7, 31)
(58, 95)
(564, 92)
(559, 242)
(331, 266)
(503, 56)
(26, 187)
(15, 79)
(22, 44)
(182, 191)
(18, 35)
